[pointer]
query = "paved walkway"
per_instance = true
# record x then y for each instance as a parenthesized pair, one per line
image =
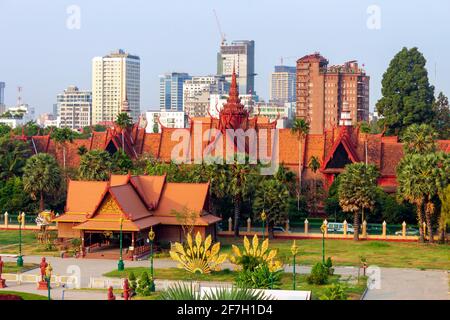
(389, 283)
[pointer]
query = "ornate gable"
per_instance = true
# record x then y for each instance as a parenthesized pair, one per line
(109, 206)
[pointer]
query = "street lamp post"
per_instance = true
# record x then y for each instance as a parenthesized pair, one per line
(323, 229)
(48, 278)
(294, 251)
(20, 258)
(151, 237)
(120, 265)
(263, 219)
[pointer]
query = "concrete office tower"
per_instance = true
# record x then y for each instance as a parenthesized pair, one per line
(74, 108)
(197, 91)
(282, 84)
(2, 97)
(240, 53)
(115, 78)
(171, 91)
(323, 90)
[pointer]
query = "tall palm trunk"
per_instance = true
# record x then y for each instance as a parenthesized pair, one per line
(41, 202)
(237, 214)
(429, 209)
(420, 221)
(64, 157)
(270, 230)
(356, 226)
(300, 166)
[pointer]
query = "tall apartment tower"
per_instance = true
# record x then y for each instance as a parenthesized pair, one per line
(115, 78)
(74, 108)
(171, 91)
(2, 97)
(283, 84)
(240, 53)
(323, 90)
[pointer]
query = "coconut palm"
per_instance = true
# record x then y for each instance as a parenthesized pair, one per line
(41, 177)
(357, 190)
(61, 137)
(419, 139)
(13, 154)
(95, 165)
(123, 121)
(300, 128)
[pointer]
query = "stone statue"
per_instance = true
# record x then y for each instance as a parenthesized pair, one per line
(43, 266)
(126, 290)
(111, 295)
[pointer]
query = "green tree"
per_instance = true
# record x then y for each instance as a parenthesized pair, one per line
(4, 129)
(41, 177)
(271, 196)
(420, 178)
(357, 189)
(61, 137)
(12, 197)
(444, 218)
(95, 165)
(407, 94)
(300, 128)
(13, 154)
(419, 138)
(121, 163)
(442, 121)
(123, 121)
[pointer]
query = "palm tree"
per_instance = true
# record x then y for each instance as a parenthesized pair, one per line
(41, 177)
(421, 177)
(444, 218)
(123, 121)
(95, 165)
(300, 128)
(61, 137)
(13, 154)
(357, 190)
(239, 181)
(272, 196)
(365, 128)
(419, 139)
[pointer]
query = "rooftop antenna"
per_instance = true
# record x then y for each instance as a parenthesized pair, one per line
(19, 96)
(222, 35)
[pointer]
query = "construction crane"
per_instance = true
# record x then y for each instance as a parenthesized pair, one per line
(222, 35)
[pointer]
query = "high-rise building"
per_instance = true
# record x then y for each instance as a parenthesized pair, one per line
(2, 97)
(115, 78)
(74, 108)
(241, 55)
(197, 91)
(323, 90)
(282, 84)
(171, 91)
(169, 119)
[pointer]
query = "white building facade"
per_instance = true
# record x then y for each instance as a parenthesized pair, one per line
(74, 108)
(170, 119)
(115, 78)
(283, 84)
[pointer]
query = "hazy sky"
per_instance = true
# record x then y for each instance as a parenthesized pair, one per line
(39, 52)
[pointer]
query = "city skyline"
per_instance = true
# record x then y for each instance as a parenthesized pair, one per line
(193, 49)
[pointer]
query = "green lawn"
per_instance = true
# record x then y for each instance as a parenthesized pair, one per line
(348, 252)
(23, 295)
(9, 243)
(11, 267)
(354, 290)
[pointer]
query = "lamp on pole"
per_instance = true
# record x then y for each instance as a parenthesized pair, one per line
(48, 278)
(323, 229)
(263, 219)
(120, 265)
(151, 237)
(294, 251)
(20, 258)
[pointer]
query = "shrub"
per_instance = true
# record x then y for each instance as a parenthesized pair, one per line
(132, 281)
(319, 274)
(335, 292)
(329, 266)
(259, 278)
(145, 286)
